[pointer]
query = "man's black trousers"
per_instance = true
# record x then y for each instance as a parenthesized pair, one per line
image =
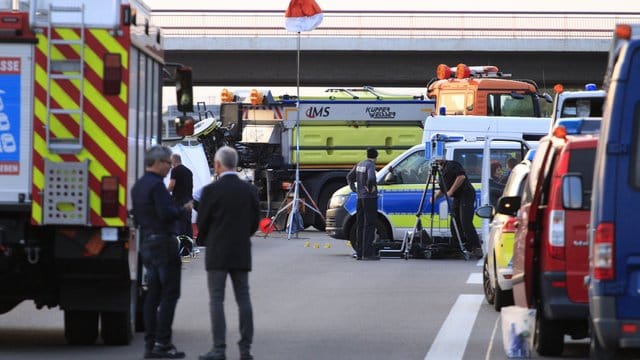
(366, 218)
(462, 208)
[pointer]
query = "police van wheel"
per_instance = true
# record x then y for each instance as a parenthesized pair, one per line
(383, 232)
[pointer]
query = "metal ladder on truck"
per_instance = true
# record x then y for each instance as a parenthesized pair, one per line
(65, 119)
(71, 113)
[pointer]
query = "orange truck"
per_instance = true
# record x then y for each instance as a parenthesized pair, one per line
(483, 90)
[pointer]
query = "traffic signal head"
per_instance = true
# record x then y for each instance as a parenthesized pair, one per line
(184, 89)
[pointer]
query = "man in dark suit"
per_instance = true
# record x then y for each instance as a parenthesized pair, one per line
(228, 215)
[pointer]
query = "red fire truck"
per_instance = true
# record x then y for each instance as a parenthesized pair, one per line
(79, 103)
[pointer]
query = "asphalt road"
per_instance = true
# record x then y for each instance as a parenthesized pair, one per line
(312, 301)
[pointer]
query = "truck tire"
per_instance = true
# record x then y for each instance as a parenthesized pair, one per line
(549, 336)
(323, 202)
(80, 327)
(116, 328)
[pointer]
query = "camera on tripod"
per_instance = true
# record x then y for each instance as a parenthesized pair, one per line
(434, 149)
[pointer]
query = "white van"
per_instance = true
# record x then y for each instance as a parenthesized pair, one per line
(482, 127)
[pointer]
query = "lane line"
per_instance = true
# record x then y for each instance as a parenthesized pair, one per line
(474, 278)
(451, 341)
(492, 340)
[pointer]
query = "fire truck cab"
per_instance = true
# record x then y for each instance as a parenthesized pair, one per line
(483, 90)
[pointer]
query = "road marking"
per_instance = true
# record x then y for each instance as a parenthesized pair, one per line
(480, 262)
(493, 339)
(474, 278)
(451, 341)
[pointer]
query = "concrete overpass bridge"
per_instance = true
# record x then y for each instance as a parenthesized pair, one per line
(387, 48)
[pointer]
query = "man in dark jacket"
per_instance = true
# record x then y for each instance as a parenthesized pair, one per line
(362, 180)
(155, 213)
(228, 215)
(454, 179)
(181, 187)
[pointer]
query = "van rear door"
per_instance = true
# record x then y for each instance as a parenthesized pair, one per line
(581, 160)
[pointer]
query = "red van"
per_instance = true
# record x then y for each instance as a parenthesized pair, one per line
(551, 251)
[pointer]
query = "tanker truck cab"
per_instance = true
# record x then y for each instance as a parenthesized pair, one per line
(614, 266)
(483, 90)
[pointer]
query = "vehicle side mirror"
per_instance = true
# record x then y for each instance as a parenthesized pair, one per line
(572, 195)
(485, 212)
(547, 98)
(390, 178)
(517, 96)
(508, 205)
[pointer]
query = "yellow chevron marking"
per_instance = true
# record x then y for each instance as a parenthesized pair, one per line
(90, 92)
(91, 127)
(96, 63)
(95, 168)
(94, 200)
(109, 42)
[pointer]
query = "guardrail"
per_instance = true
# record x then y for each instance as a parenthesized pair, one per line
(396, 24)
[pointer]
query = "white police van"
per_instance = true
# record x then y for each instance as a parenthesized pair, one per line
(401, 184)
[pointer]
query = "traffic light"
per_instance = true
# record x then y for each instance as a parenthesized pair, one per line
(184, 89)
(184, 125)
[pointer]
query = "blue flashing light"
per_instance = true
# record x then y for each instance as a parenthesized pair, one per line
(447, 138)
(573, 126)
(442, 110)
(578, 126)
(590, 87)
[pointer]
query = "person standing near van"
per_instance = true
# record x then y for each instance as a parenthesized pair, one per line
(362, 181)
(454, 179)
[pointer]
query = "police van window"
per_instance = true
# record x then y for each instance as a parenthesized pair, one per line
(471, 160)
(582, 108)
(412, 170)
(581, 161)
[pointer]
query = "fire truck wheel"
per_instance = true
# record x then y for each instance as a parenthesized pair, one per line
(116, 328)
(81, 327)
(323, 202)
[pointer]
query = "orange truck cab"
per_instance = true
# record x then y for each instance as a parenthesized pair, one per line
(483, 90)
(550, 259)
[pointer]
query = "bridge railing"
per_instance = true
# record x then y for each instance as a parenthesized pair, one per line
(396, 24)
